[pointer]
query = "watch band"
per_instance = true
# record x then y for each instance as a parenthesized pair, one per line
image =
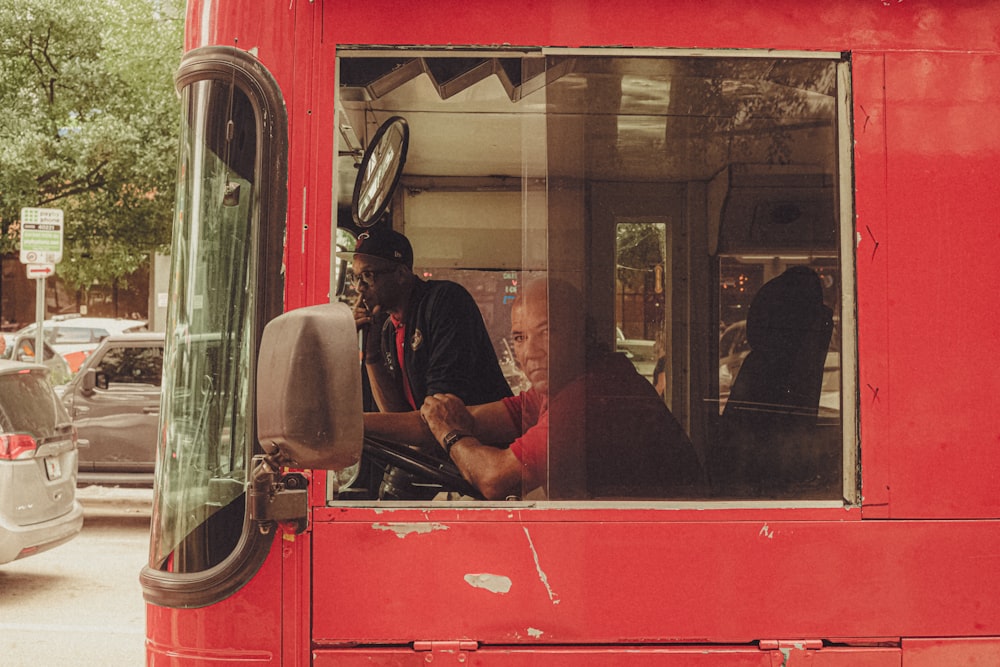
(453, 437)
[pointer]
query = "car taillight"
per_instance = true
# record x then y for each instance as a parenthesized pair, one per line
(16, 446)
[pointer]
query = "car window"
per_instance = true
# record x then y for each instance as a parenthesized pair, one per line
(69, 335)
(27, 404)
(133, 365)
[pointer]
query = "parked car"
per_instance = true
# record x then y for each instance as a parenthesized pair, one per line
(734, 348)
(38, 464)
(21, 347)
(75, 337)
(641, 352)
(114, 402)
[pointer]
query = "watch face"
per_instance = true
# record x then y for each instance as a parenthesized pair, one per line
(453, 437)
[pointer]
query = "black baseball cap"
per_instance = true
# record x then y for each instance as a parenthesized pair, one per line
(385, 244)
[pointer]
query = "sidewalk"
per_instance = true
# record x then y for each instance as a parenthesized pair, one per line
(115, 500)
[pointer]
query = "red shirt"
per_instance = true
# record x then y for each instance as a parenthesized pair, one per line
(528, 410)
(632, 445)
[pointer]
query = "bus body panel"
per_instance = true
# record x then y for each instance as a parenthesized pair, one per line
(941, 187)
(696, 656)
(515, 580)
(868, 78)
(245, 628)
(923, 178)
(926, 195)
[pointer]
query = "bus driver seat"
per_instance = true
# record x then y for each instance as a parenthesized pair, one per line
(769, 422)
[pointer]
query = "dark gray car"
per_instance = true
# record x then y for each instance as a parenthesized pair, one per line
(114, 402)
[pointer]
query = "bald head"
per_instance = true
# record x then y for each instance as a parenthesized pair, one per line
(530, 332)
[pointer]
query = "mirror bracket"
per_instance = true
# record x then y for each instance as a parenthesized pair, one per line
(274, 499)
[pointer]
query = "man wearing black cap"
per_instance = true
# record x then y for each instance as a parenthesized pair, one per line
(421, 338)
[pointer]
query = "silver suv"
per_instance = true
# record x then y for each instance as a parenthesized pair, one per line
(22, 348)
(114, 402)
(38, 464)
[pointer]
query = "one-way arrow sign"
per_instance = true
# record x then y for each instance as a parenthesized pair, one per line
(36, 271)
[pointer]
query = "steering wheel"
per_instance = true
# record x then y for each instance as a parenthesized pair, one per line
(428, 468)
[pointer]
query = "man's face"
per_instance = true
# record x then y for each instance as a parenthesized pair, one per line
(530, 333)
(379, 283)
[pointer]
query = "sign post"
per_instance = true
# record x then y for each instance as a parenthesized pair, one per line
(41, 250)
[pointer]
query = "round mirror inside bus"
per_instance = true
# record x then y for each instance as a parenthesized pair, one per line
(379, 172)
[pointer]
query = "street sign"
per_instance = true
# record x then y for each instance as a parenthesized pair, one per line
(41, 235)
(36, 271)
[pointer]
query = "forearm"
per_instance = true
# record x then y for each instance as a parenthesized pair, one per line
(495, 472)
(387, 393)
(403, 427)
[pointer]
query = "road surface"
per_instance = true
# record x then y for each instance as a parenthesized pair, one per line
(80, 604)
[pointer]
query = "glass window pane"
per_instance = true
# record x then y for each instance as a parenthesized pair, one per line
(207, 368)
(684, 213)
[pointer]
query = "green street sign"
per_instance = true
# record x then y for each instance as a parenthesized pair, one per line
(41, 235)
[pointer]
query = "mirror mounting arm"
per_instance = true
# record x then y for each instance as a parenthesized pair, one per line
(273, 498)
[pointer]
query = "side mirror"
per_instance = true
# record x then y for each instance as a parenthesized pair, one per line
(93, 379)
(89, 381)
(309, 387)
(100, 379)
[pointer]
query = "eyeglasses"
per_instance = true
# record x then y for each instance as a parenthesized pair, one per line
(368, 277)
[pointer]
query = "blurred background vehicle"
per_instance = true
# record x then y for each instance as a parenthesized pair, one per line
(734, 348)
(75, 337)
(114, 402)
(641, 352)
(21, 347)
(38, 464)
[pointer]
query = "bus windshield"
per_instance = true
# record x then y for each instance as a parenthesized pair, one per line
(209, 345)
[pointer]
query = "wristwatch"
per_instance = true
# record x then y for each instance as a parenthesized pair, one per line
(453, 437)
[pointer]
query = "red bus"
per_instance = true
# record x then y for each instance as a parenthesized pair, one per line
(671, 161)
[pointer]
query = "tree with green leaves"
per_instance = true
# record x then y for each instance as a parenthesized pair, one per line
(88, 124)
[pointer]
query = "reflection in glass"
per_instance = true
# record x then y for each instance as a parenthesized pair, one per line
(667, 190)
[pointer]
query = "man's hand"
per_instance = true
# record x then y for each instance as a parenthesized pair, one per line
(362, 315)
(369, 322)
(444, 413)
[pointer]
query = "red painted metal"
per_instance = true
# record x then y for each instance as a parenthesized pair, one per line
(689, 656)
(917, 560)
(243, 629)
(868, 81)
(941, 190)
(937, 652)
(514, 580)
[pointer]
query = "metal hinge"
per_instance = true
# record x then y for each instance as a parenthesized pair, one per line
(446, 646)
(274, 498)
(790, 644)
(786, 652)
